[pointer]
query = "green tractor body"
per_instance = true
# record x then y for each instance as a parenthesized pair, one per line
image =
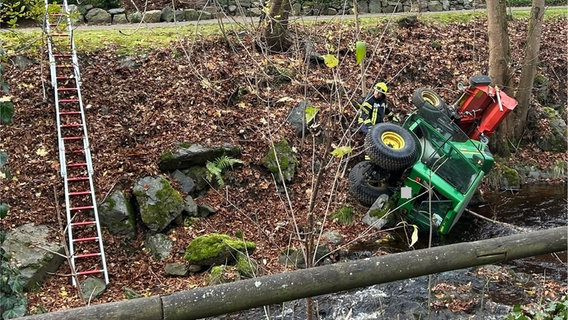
(448, 163)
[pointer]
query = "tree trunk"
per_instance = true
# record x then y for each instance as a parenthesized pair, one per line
(275, 33)
(528, 70)
(499, 60)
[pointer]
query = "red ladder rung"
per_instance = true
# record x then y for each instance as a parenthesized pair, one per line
(81, 208)
(77, 164)
(64, 66)
(89, 272)
(71, 125)
(72, 138)
(66, 113)
(79, 193)
(66, 89)
(78, 151)
(60, 35)
(82, 223)
(87, 255)
(78, 179)
(62, 55)
(86, 239)
(68, 100)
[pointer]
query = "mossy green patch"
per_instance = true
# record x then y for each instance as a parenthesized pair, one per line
(222, 274)
(246, 266)
(559, 169)
(343, 215)
(168, 155)
(511, 176)
(381, 212)
(281, 157)
(549, 112)
(215, 249)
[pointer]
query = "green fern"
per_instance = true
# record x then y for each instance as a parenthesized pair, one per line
(217, 166)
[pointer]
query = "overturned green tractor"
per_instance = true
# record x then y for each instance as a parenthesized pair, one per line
(431, 151)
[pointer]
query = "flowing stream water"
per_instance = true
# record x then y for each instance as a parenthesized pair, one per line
(533, 207)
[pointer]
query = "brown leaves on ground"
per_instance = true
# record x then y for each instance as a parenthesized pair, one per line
(224, 91)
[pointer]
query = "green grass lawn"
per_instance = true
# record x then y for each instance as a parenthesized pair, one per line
(144, 38)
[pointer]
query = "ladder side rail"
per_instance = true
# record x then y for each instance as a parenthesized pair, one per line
(53, 72)
(61, 142)
(70, 30)
(69, 230)
(96, 213)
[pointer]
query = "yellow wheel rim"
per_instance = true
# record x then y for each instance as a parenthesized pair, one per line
(431, 98)
(393, 140)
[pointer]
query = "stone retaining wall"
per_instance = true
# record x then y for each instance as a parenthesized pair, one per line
(199, 11)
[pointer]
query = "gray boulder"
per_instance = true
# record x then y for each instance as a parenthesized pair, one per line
(32, 253)
(297, 116)
(158, 201)
(254, 12)
(135, 17)
(117, 215)
(186, 183)
(159, 246)
(191, 15)
(435, 6)
(191, 208)
(169, 15)
(92, 288)
(374, 7)
(205, 15)
(195, 154)
(152, 16)
(176, 269)
(97, 16)
(205, 210)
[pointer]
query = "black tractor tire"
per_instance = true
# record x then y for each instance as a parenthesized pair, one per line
(428, 100)
(367, 183)
(390, 147)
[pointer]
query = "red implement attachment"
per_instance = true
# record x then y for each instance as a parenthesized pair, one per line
(482, 108)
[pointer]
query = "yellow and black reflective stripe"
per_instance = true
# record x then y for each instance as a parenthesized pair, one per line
(374, 115)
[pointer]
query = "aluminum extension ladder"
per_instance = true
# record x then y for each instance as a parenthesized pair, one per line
(83, 229)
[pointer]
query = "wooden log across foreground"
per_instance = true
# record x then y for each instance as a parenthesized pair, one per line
(245, 294)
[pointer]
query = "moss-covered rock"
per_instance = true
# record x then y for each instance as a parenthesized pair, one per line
(222, 274)
(117, 215)
(555, 139)
(542, 89)
(246, 266)
(29, 249)
(287, 161)
(158, 201)
(216, 249)
(507, 178)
